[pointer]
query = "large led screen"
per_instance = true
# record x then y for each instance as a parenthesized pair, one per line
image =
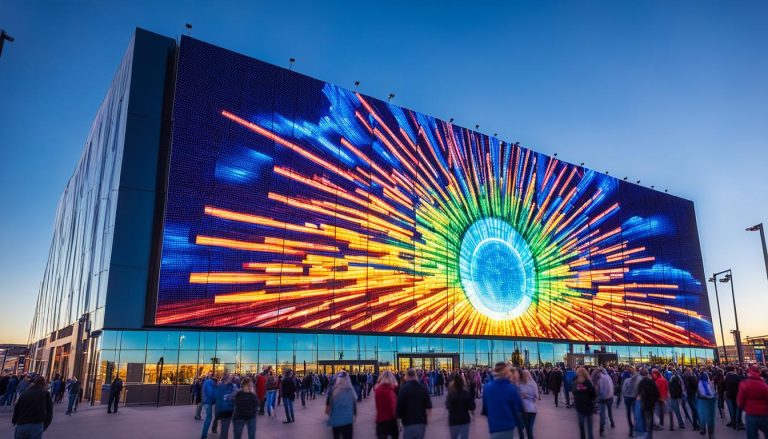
(294, 203)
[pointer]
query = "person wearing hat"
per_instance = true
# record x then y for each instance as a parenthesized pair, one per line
(502, 404)
(753, 400)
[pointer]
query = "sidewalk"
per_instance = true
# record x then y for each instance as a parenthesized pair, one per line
(177, 422)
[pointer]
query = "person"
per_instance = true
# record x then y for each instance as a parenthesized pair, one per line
(208, 401)
(114, 394)
(56, 386)
(245, 410)
(661, 405)
(460, 406)
(196, 390)
(706, 405)
(10, 391)
(385, 398)
(568, 378)
(648, 395)
(341, 406)
(676, 400)
(529, 393)
(605, 393)
(74, 393)
(288, 393)
(225, 403)
(502, 404)
(33, 412)
(306, 388)
(261, 389)
(752, 398)
(584, 396)
(555, 382)
(732, 381)
(629, 393)
(691, 389)
(413, 407)
(271, 386)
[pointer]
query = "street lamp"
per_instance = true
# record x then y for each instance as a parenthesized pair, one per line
(728, 278)
(759, 227)
(3, 37)
(719, 317)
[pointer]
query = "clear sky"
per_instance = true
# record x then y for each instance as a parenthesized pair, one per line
(674, 94)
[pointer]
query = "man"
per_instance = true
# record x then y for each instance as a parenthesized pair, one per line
(648, 395)
(208, 399)
(753, 400)
(413, 407)
(261, 389)
(502, 404)
(33, 412)
(114, 394)
(555, 382)
(74, 393)
(691, 388)
(732, 381)
(629, 393)
(568, 378)
(605, 398)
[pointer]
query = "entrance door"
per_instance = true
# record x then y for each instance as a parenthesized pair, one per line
(427, 361)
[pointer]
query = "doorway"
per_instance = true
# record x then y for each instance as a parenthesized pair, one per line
(430, 361)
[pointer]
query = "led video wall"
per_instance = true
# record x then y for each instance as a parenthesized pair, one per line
(294, 203)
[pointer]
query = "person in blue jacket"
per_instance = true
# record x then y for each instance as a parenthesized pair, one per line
(502, 404)
(570, 375)
(225, 403)
(208, 400)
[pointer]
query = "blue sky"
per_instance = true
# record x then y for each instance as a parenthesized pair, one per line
(674, 94)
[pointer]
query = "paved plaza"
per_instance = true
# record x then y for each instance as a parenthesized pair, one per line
(144, 422)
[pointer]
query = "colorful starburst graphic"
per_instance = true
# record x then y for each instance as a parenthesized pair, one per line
(335, 211)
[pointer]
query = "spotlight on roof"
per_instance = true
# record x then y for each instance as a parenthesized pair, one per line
(291, 61)
(450, 121)
(666, 190)
(495, 134)
(477, 127)
(607, 173)
(554, 155)
(637, 182)
(390, 97)
(653, 187)
(625, 178)
(582, 164)
(357, 84)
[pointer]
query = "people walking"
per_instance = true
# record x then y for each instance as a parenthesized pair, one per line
(706, 405)
(114, 394)
(568, 377)
(225, 404)
(413, 407)
(502, 404)
(752, 398)
(245, 410)
(555, 382)
(648, 395)
(208, 401)
(460, 405)
(732, 381)
(605, 394)
(691, 382)
(341, 406)
(272, 387)
(529, 393)
(196, 391)
(676, 400)
(33, 412)
(662, 385)
(584, 396)
(74, 393)
(288, 393)
(629, 393)
(385, 398)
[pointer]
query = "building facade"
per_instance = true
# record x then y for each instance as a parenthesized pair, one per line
(228, 214)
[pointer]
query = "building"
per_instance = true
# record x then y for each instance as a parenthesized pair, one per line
(228, 214)
(13, 358)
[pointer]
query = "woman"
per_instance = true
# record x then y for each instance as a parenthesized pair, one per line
(246, 408)
(584, 400)
(341, 406)
(529, 392)
(460, 405)
(386, 403)
(706, 405)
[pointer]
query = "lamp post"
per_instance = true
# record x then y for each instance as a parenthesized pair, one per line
(713, 279)
(3, 38)
(728, 278)
(761, 229)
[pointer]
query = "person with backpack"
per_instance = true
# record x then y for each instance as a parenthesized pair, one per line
(676, 400)
(707, 399)
(648, 395)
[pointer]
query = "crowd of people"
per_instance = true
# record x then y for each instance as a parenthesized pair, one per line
(654, 398)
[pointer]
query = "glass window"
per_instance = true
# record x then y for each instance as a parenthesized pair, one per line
(226, 341)
(189, 357)
(405, 344)
(227, 356)
(325, 342)
(154, 356)
(132, 356)
(249, 341)
(109, 340)
(208, 341)
(326, 355)
(451, 345)
(134, 340)
(249, 357)
(267, 358)
(305, 342)
(350, 344)
(189, 340)
(163, 340)
(284, 341)
(267, 341)
(371, 343)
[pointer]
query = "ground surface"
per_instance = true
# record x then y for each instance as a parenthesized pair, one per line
(177, 422)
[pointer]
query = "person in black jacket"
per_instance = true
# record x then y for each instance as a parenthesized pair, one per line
(288, 392)
(460, 405)
(649, 397)
(584, 395)
(676, 399)
(33, 412)
(74, 393)
(246, 407)
(691, 388)
(555, 382)
(732, 381)
(413, 406)
(114, 394)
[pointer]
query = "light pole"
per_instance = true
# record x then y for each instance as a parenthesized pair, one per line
(3, 37)
(759, 227)
(713, 279)
(728, 278)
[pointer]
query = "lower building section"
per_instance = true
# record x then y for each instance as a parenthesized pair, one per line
(160, 365)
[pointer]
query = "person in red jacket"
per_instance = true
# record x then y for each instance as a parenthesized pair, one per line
(386, 405)
(753, 399)
(663, 385)
(261, 388)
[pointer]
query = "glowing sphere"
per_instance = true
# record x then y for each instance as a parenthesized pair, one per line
(497, 269)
